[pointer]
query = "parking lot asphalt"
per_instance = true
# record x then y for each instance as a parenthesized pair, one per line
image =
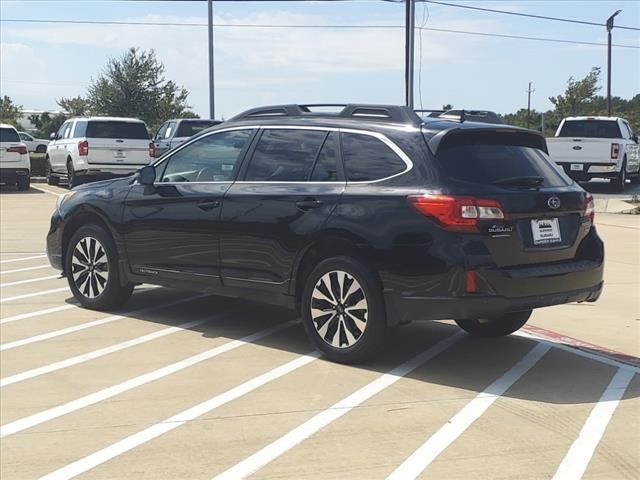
(177, 385)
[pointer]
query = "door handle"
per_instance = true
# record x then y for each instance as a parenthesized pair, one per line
(308, 204)
(207, 205)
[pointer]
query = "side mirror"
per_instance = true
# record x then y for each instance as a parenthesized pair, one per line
(635, 138)
(147, 175)
(53, 136)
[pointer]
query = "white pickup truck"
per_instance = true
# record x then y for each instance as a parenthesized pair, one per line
(597, 147)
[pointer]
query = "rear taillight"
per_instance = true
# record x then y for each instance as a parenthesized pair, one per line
(589, 208)
(457, 213)
(615, 150)
(152, 150)
(83, 148)
(22, 150)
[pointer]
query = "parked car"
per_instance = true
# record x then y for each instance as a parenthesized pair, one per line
(37, 145)
(87, 149)
(360, 220)
(177, 131)
(15, 164)
(597, 147)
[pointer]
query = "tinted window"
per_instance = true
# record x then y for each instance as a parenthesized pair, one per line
(80, 129)
(115, 129)
(368, 158)
(326, 167)
(25, 138)
(190, 128)
(170, 128)
(487, 158)
(162, 131)
(8, 135)
(590, 129)
(209, 159)
(61, 130)
(67, 130)
(285, 155)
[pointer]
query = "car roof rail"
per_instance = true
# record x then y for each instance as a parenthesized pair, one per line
(383, 113)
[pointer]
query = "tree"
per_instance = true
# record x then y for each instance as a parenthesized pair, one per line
(578, 95)
(46, 124)
(134, 86)
(10, 112)
(75, 106)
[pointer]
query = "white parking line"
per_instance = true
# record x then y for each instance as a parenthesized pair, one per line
(109, 392)
(45, 190)
(458, 424)
(94, 323)
(46, 311)
(22, 259)
(126, 444)
(85, 357)
(31, 280)
(34, 294)
(579, 455)
(28, 269)
(324, 418)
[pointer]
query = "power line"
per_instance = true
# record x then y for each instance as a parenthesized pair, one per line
(529, 15)
(306, 26)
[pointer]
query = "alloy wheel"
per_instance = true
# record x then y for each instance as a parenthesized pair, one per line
(339, 309)
(90, 267)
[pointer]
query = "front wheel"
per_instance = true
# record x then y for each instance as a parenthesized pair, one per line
(495, 326)
(343, 311)
(24, 183)
(91, 265)
(51, 178)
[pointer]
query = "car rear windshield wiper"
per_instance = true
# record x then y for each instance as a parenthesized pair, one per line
(520, 181)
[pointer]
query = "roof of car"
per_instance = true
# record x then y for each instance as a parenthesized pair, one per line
(192, 120)
(6, 125)
(109, 119)
(593, 117)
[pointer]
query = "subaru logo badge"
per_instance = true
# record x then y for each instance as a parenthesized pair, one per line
(554, 203)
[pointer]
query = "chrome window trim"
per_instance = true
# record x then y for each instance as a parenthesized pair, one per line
(380, 136)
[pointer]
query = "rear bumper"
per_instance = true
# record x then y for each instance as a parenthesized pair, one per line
(109, 170)
(10, 175)
(590, 170)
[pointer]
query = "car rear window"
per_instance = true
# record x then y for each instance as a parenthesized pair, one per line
(8, 135)
(590, 129)
(115, 129)
(190, 128)
(490, 158)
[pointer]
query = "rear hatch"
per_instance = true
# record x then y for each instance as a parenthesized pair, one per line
(585, 142)
(189, 128)
(543, 209)
(12, 150)
(117, 142)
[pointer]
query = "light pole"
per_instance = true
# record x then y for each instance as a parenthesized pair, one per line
(410, 6)
(609, 28)
(212, 103)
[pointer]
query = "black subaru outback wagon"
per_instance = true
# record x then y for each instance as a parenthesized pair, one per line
(361, 219)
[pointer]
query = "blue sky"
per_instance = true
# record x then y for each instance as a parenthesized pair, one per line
(255, 66)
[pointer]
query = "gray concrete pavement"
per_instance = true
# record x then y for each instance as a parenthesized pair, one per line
(112, 395)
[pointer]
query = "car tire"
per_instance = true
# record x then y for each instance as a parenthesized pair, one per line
(73, 180)
(91, 266)
(41, 149)
(51, 179)
(618, 183)
(495, 326)
(23, 183)
(343, 333)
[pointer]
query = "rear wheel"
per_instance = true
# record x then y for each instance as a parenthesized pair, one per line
(23, 183)
(495, 326)
(73, 179)
(617, 184)
(41, 149)
(343, 311)
(91, 265)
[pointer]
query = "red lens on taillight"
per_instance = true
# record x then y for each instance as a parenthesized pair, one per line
(152, 150)
(589, 208)
(83, 148)
(456, 212)
(22, 150)
(470, 281)
(615, 150)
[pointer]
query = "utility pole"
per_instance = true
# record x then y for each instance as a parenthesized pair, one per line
(410, 16)
(609, 28)
(529, 92)
(212, 101)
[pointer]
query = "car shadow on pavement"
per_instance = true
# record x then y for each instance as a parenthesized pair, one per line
(470, 365)
(12, 190)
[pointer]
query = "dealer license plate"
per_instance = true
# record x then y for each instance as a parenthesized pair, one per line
(545, 231)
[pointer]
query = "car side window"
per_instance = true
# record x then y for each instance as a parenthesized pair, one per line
(26, 138)
(170, 129)
(80, 130)
(209, 159)
(367, 158)
(67, 130)
(285, 155)
(326, 167)
(162, 131)
(61, 130)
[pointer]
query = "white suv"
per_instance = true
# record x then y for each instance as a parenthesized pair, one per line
(95, 148)
(15, 164)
